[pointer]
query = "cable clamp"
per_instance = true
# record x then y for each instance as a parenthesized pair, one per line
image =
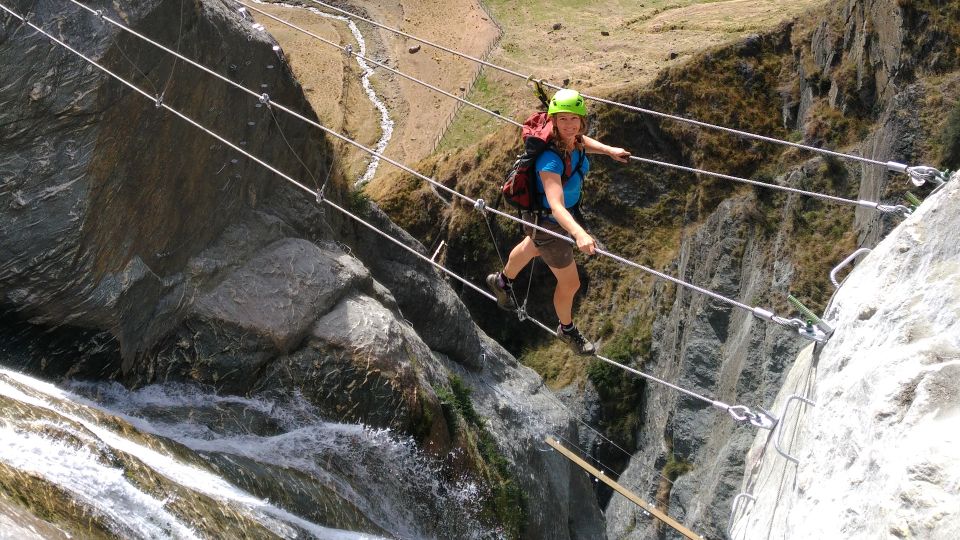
(348, 50)
(159, 101)
(320, 194)
(761, 313)
(922, 174)
(480, 205)
(265, 98)
(99, 14)
(522, 312)
(895, 209)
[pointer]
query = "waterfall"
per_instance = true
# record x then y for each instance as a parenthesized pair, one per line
(147, 463)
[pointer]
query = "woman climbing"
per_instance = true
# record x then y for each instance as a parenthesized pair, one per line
(569, 116)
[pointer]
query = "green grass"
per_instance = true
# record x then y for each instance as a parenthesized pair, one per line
(676, 467)
(471, 124)
(950, 139)
(507, 502)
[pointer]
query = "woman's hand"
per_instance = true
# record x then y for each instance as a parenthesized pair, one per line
(619, 154)
(585, 242)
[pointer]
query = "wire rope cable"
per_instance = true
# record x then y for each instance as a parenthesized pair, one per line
(265, 98)
(467, 282)
(173, 69)
(866, 204)
(477, 203)
(917, 173)
(379, 64)
(296, 154)
(738, 412)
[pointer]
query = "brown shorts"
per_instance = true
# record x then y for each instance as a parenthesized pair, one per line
(555, 252)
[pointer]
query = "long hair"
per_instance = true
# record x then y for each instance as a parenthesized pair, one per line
(578, 145)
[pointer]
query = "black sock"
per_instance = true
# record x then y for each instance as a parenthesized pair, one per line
(567, 327)
(505, 282)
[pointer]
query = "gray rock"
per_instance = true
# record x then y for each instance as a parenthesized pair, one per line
(120, 219)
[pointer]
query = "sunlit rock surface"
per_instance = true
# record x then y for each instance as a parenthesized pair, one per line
(879, 453)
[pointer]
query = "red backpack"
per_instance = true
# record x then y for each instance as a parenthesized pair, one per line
(520, 186)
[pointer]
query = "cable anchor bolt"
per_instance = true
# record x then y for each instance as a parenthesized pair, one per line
(743, 414)
(480, 205)
(805, 329)
(922, 174)
(901, 209)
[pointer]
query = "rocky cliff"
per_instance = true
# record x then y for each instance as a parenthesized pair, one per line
(138, 248)
(872, 78)
(875, 452)
(858, 71)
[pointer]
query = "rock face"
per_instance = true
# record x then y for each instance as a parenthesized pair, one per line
(718, 351)
(862, 61)
(878, 453)
(188, 261)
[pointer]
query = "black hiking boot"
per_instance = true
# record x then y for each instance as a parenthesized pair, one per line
(504, 294)
(575, 340)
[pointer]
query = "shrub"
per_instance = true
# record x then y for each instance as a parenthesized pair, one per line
(951, 139)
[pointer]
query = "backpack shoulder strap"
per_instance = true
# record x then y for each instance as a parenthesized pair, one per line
(564, 178)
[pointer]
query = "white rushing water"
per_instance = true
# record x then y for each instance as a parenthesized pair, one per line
(386, 123)
(382, 476)
(106, 488)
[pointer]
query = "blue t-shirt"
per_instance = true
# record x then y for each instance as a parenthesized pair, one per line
(551, 162)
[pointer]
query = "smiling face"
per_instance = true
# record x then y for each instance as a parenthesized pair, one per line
(568, 125)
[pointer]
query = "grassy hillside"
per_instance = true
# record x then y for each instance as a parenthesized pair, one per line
(642, 212)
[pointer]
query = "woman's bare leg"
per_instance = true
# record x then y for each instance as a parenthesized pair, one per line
(568, 282)
(520, 256)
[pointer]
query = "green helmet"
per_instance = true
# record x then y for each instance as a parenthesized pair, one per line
(567, 100)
